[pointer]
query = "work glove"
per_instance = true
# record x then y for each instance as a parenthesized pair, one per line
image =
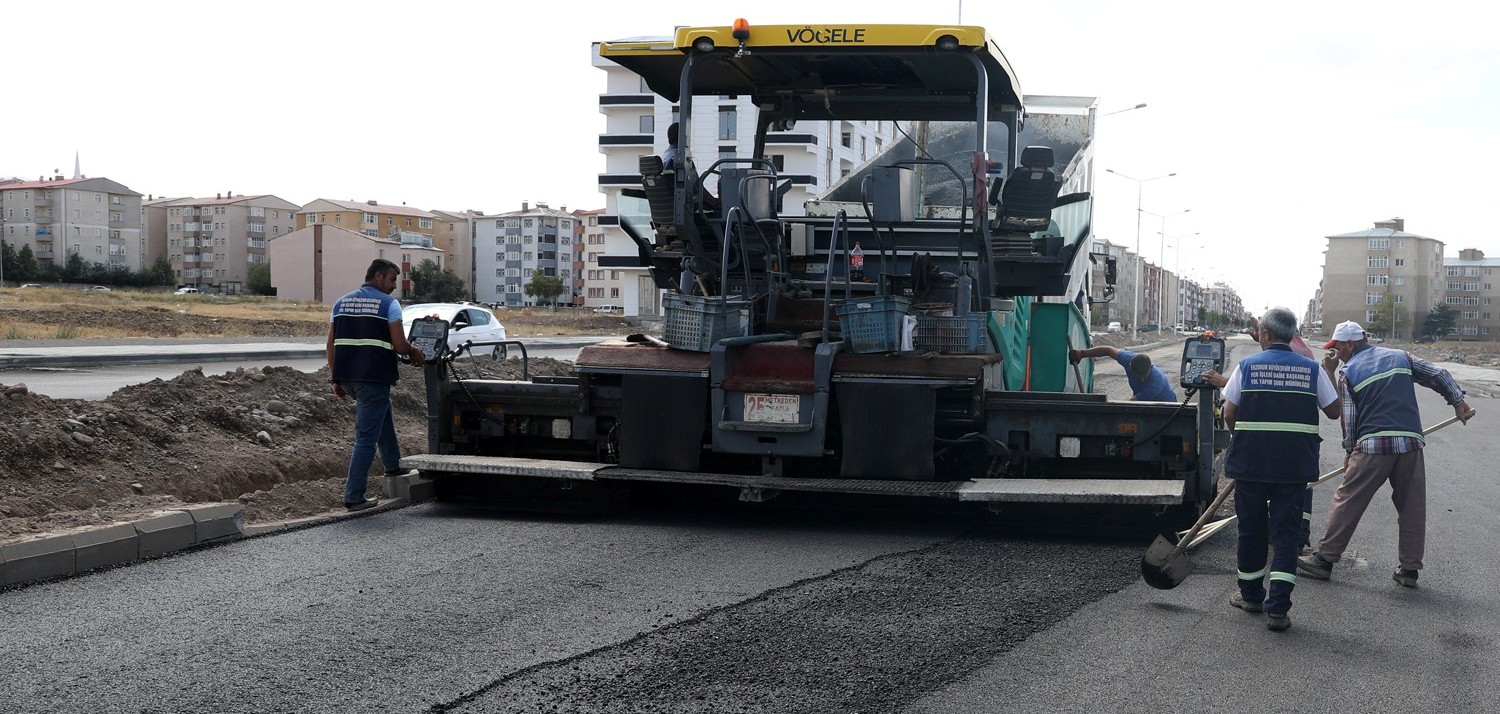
(1075, 356)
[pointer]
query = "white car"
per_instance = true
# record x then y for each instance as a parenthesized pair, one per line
(610, 310)
(186, 291)
(479, 325)
(1115, 327)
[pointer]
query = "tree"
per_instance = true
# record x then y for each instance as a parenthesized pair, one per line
(258, 279)
(431, 284)
(1390, 316)
(74, 268)
(8, 263)
(160, 273)
(544, 288)
(26, 266)
(1440, 321)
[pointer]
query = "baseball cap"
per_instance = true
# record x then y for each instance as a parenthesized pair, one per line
(1347, 331)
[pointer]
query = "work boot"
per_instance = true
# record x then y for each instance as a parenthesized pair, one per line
(1240, 602)
(362, 505)
(1315, 566)
(1278, 623)
(412, 473)
(1405, 577)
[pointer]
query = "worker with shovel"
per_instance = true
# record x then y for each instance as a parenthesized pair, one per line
(1383, 439)
(1271, 403)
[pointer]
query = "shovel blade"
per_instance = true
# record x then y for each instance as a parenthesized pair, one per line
(1164, 566)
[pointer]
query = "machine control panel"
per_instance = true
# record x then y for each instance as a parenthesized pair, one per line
(1199, 355)
(429, 334)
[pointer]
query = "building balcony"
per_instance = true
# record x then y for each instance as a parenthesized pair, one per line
(784, 139)
(256, 230)
(613, 140)
(608, 101)
(257, 243)
(44, 220)
(41, 201)
(45, 255)
(117, 224)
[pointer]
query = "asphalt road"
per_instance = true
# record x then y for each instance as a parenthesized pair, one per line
(748, 608)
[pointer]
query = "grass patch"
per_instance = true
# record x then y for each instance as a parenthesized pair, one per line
(66, 332)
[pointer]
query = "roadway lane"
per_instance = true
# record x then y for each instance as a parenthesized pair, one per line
(99, 382)
(404, 610)
(1358, 642)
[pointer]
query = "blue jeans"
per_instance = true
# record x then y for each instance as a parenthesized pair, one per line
(1269, 514)
(374, 429)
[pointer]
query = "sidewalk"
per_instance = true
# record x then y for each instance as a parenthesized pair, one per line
(31, 354)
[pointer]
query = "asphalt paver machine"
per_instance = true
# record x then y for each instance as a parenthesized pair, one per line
(904, 334)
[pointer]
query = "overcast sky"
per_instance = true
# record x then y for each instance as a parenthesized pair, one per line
(1284, 121)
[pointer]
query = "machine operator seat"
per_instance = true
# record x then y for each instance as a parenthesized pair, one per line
(1028, 196)
(658, 187)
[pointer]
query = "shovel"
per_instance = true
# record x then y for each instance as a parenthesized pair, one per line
(1209, 530)
(1165, 566)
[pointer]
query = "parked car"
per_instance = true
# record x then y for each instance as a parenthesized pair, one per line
(610, 310)
(1115, 327)
(30, 285)
(186, 291)
(466, 323)
(96, 289)
(1425, 339)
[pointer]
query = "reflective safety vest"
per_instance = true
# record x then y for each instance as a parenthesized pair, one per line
(1385, 397)
(1276, 420)
(362, 349)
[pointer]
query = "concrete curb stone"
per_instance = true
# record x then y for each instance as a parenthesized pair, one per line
(166, 533)
(216, 521)
(111, 545)
(37, 559)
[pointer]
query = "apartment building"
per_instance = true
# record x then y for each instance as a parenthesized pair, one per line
(1469, 282)
(593, 285)
(322, 262)
(411, 228)
(1221, 300)
(509, 248)
(97, 219)
(812, 156)
(212, 242)
(1361, 268)
(453, 232)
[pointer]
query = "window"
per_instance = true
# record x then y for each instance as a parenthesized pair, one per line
(1400, 299)
(1398, 281)
(1373, 298)
(1452, 300)
(844, 140)
(1379, 261)
(728, 124)
(1454, 271)
(368, 218)
(1400, 262)
(1380, 244)
(424, 222)
(1400, 244)
(648, 124)
(529, 223)
(1470, 314)
(1369, 316)
(338, 218)
(1376, 279)
(614, 292)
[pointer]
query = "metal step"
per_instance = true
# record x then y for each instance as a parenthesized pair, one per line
(1023, 490)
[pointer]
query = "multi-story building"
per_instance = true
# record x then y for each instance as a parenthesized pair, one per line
(454, 234)
(322, 262)
(1222, 301)
(509, 248)
(154, 225)
(592, 284)
(1470, 281)
(409, 227)
(212, 242)
(812, 156)
(1192, 299)
(97, 219)
(1360, 269)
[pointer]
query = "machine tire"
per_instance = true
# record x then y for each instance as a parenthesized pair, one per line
(498, 353)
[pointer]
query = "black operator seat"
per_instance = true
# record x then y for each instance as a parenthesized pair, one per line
(658, 187)
(1028, 196)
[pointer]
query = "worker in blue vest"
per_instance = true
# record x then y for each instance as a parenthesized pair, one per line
(364, 336)
(1383, 441)
(1271, 404)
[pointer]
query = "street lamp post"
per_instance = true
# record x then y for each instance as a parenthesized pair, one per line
(1177, 246)
(1161, 290)
(1139, 185)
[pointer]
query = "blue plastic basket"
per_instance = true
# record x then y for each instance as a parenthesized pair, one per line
(963, 334)
(872, 324)
(697, 323)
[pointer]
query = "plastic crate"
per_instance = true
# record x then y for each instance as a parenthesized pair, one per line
(873, 324)
(963, 334)
(697, 323)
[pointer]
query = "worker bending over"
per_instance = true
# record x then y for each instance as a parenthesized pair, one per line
(1147, 382)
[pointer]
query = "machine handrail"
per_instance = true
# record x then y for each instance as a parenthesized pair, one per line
(840, 228)
(469, 345)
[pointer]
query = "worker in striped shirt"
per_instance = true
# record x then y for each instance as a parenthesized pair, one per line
(1383, 440)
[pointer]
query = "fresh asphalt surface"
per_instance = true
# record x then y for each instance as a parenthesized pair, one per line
(441, 608)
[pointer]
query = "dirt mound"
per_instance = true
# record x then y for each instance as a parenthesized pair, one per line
(274, 438)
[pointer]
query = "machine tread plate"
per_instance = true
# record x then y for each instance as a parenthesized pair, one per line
(504, 466)
(827, 485)
(1074, 490)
